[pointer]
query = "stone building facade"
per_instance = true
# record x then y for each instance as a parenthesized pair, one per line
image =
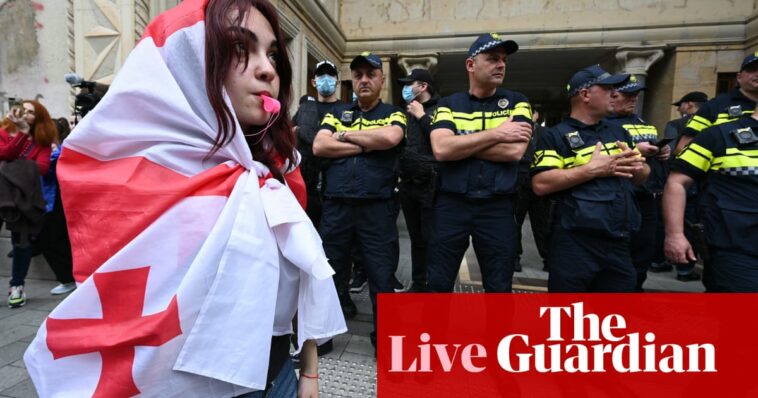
(677, 46)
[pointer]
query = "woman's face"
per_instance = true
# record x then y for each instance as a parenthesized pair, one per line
(246, 83)
(29, 115)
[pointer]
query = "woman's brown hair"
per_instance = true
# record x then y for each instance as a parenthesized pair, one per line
(220, 56)
(43, 131)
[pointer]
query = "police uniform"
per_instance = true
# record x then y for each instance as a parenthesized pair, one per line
(475, 196)
(724, 108)
(727, 155)
(308, 119)
(643, 242)
(359, 206)
(589, 243)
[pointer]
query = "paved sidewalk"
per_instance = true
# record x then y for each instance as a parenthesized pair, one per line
(349, 371)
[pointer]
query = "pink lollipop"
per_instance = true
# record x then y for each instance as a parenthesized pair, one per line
(270, 105)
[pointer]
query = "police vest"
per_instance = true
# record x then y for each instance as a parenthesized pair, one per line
(465, 114)
(728, 155)
(605, 206)
(640, 131)
(724, 108)
(367, 175)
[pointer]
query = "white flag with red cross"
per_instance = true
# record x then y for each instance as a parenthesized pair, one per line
(177, 256)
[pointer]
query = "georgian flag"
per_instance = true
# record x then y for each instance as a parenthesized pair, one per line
(178, 258)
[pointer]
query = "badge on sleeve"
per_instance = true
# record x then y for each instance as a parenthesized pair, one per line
(502, 103)
(347, 117)
(575, 140)
(735, 111)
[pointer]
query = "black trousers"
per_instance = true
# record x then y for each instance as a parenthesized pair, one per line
(54, 243)
(585, 262)
(491, 226)
(369, 224)
(538, 209)
(416, 202)
(643, 242)
(731, 271)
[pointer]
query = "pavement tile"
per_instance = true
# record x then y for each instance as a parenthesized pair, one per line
(16, 333)
(10, 376)
(24, 389)
(360, 345)
(12, 353)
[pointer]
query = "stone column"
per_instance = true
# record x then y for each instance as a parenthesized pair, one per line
(389, 80)
(637, 61)
(409, 62)
(299, 53)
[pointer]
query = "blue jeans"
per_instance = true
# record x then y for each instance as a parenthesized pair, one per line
(22, 257)
(283, 386)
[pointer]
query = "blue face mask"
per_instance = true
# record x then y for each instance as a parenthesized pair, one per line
(355, 96)
(407, 93)
(326, 85)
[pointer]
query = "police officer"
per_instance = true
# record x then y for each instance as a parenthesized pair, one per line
(361, 140)
(418, 169)
(587, 164)
(725, 154)
(728, 106)
(478, 136)
(307, 122)
(644, 136)
(687, 106)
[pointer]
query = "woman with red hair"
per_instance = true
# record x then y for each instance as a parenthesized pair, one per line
(27, 133)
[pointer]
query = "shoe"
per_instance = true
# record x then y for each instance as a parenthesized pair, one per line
(349, 310)
(517, 265)
(358, 283)
(417, 287)
(325, 348)
(16, 297)
(63, 288)
(690, 277)
(398, 286)
(661, 267)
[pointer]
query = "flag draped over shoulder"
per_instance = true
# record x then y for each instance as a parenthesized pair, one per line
(179, 258)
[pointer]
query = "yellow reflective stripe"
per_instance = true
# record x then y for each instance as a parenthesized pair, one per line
(697, 156)
(736, 158)
(330, 120)
(584, 155)
(522, 109)
(698, 123)
(641, 132)
(725, 118)
(363, 124)
(397, 117)
(548, 158)
(443, 114)
(494, 122)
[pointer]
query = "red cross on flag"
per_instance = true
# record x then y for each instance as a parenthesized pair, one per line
(186, 266)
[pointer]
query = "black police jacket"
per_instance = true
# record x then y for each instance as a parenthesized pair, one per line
(605, 206)
(370, 175)
(726, 155)
(417, 161)
(723, 108)
(465, 114)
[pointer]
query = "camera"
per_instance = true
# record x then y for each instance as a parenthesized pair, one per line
(745, 136)
(90, 93)
(575, 140)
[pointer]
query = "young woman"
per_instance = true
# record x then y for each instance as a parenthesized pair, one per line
(246, 56)
(26, 133)
(181, 188)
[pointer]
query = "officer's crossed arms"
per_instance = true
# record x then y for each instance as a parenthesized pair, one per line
(626, 164)
(505, 143)
(354, 142)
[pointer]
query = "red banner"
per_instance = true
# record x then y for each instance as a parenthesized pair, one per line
(567, 345)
